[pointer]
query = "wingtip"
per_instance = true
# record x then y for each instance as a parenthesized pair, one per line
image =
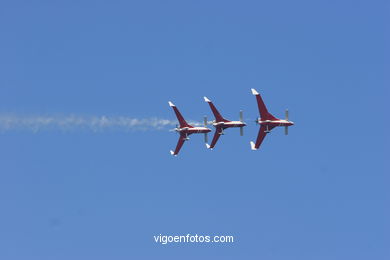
(207, 146)
(206, 99)
(173, 153)
(253, 147)
(254, 92)
(171, 104)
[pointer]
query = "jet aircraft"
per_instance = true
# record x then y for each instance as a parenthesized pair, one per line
(267, 121)
(184, 129)
(220, 124)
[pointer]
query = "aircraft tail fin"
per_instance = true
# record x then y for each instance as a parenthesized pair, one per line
(217, 115)
(180, 118)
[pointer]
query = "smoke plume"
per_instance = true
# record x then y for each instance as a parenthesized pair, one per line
(11, 122)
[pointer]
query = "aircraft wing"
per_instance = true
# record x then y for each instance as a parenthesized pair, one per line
(217, 134)
(180, 118)
(217, 115)
(260, 137)
(180, 143)
(264, 114)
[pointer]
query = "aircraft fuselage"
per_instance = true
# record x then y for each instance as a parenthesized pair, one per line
(274, 123)
(193, 130)
(229, 124)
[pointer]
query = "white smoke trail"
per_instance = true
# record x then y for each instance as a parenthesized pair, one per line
(10, 122)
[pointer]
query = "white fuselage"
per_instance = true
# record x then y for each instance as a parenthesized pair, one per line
(279, 122)
(193, 130)
(229, 124)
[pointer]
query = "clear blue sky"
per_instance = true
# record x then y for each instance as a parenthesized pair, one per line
(320, 193)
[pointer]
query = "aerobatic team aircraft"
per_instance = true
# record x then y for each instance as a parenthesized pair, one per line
(267, 121)
(184, 129)
(220, 124)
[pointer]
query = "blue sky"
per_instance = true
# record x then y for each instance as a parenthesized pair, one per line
(319, 193)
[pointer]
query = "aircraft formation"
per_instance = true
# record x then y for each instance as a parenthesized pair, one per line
(266, 121)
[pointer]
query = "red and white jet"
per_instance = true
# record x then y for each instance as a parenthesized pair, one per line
(184, 129)
(221, 124)
(267, 121)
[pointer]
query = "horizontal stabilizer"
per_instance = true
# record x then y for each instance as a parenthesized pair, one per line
(253, 146)
(207, 146)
